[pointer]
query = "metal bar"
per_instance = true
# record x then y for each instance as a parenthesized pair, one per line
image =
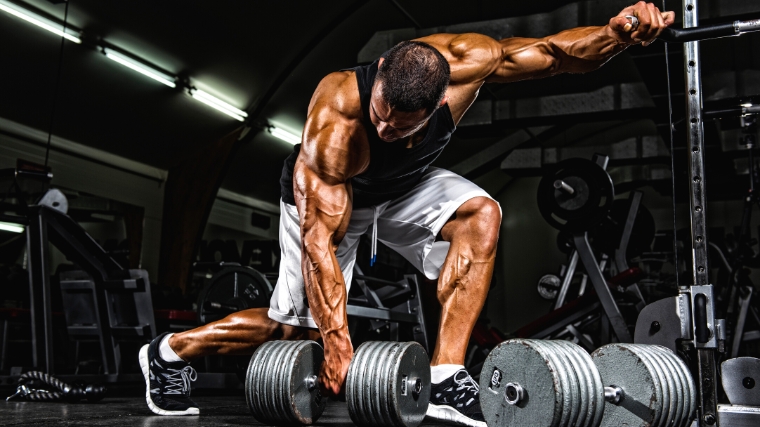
(600, 286)
(741, 319)
(566, 280)
(707, 387)
(621, 261)
(39, 292)
(739, 416)
(4, 349)
(419, 332)
(709, 32)
(562, 324)
(708, 401)
(380, 314)
(695, 139)
(371, 279)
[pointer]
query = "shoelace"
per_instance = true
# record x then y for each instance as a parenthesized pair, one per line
(179, 380)
(466, 382)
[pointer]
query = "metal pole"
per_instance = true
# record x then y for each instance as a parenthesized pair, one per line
(702, 295)
(39, 291)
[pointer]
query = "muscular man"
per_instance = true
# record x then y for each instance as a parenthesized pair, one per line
(364, 164)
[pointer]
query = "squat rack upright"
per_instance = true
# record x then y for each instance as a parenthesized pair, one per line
(706, 330)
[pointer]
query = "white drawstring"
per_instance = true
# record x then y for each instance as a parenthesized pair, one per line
(373, 256)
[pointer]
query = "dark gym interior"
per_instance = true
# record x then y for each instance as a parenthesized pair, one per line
(140, 163)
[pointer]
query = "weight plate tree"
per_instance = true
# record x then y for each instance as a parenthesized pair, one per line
(575, 195)
(233, 288)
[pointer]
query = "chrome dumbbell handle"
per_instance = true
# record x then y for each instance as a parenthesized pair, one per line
(614, 394)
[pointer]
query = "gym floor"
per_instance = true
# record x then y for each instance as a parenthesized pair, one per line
(132, 411)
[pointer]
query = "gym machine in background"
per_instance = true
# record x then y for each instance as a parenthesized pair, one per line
(692, 323)
(576, 197)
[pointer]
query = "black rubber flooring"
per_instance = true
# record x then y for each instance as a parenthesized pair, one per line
(132, 411)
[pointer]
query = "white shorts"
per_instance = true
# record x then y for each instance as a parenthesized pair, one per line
(408, 225)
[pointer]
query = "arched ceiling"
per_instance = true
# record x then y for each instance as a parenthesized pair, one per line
(258, 56)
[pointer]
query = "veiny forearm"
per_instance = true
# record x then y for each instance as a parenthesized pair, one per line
(325, 288)
(572, 51)
(583, 49)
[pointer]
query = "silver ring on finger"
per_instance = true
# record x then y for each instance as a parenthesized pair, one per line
(634, 21)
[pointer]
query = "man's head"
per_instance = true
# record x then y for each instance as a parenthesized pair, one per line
(411, 83)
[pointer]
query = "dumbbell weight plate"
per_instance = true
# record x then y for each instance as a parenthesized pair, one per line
(280, 385)
(689, 381)
(681, 388)
(576, 370)
(590, 394)
(548, 286)
(670, 396)
(624, 367)
(571, 393)
(597, 387)
(685, 381)
(521, 362)
(388, 384)
(233, 288)
(593, 195)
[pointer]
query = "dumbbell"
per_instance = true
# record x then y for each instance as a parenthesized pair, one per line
(558, 384)
(388, 383)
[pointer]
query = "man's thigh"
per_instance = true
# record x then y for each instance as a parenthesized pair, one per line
(409, 225)
(289, 303)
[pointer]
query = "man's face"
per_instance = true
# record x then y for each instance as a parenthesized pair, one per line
(393, 125)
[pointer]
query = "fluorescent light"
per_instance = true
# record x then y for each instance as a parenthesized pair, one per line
(218, 104)
(41, 22)
(13, 228)
(140, 68)
(285, 136)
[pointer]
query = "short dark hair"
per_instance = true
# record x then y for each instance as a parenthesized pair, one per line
(415, 76)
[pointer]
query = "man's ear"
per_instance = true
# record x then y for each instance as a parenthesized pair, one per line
(380, 62)
(444, 100)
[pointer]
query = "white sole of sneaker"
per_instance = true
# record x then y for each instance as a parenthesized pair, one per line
(451, 415)
(145, 366)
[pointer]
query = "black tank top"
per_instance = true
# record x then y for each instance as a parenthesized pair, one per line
(393, 169)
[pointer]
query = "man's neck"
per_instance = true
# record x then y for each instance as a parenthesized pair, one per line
(417, 137)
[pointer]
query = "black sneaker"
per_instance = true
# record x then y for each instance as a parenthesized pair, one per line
(456, 400)
(167, 385)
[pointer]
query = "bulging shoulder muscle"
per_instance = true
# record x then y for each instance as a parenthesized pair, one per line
(333, 135)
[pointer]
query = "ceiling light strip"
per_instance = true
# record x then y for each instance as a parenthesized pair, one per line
(140, 68)
(13, 228)
(134, 64)
(202, 99)
(197, 93)
(41, 22)
(284, 135)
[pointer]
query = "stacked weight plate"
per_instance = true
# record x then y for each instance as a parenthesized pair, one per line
(658, 387)
(280, 384)
(541, 384)
(388, 384)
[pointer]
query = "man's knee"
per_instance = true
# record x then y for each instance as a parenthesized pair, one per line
(484, 221)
